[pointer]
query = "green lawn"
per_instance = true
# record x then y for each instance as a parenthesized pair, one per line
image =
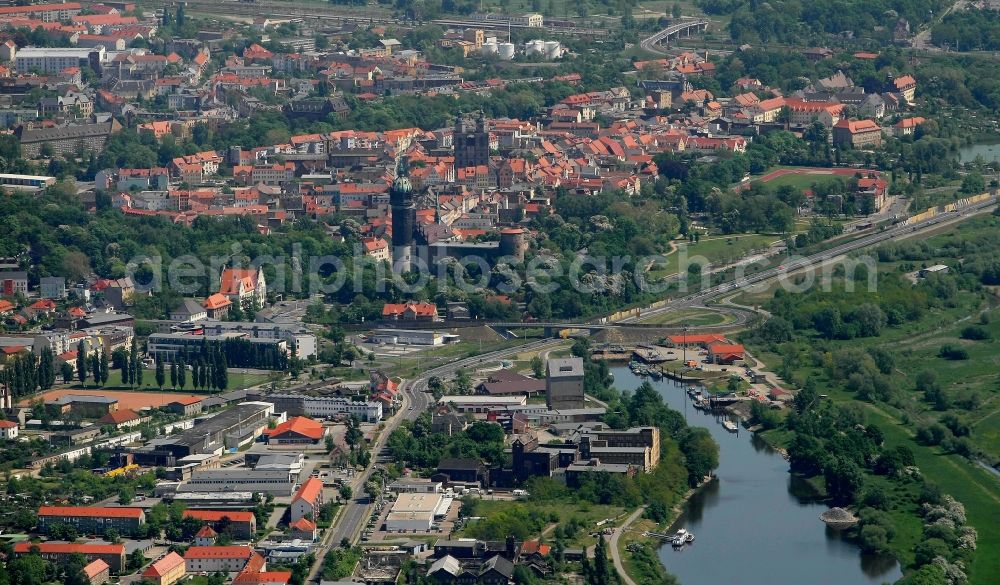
(714, 250)
(691, 317)
(586, 514)
(804, 180)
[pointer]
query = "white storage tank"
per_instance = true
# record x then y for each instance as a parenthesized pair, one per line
(536, 47)
(506, 51)
(489, 49)
(552, 50)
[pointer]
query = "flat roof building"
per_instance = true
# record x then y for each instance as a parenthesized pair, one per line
(416, 511)
(564, 383)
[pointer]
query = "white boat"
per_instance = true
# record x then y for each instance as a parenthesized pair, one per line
(730, 426)
(681, 538)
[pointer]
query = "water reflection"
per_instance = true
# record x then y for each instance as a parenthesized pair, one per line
(756, 523)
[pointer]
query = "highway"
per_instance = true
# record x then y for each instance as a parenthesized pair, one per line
(353, 516)
(651, 44)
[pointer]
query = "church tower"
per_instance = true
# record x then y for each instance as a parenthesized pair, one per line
(471, 142)
(404, 220)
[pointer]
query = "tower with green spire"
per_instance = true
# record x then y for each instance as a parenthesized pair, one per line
(404, 220)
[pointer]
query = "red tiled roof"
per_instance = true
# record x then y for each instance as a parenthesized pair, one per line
(299, 425)
(696, 338)
(118, 417)
(68, 548)
(726, 349)
(206, 532)
(96, 568)
(218, 515)
(186, 401)
(164, 566)
(216, 301)
(310, 491)
(303, 525)
(218, 552)
(86, 512)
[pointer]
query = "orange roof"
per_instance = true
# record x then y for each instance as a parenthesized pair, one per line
(96, 568)
(303, 524)
(6, 306)
(43, 305)
(218, 552)
(856, 126)
(300, 425)
(6, 424)
(206, 532)
(726, 349)
(85, 512)
(216, 301)
(397, 309)
(164, 566)
(904, 81)
(39, 8)
(218, 515)
(69, 549)
(231, 277)
(118, 417)
(186, 401)
(310, 491)
(530, 547)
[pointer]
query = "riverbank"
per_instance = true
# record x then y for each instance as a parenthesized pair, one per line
(751, 491)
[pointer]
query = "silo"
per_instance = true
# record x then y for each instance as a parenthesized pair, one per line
(536, 47)
(552, 49)
(506, 51)
(489, 49)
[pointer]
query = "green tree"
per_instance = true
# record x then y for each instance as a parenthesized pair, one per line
(81, 363)
(161, 375)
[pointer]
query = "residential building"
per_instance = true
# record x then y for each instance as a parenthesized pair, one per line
(52, 287)
(54, 60)
(241, 525)
(904, 85)
(122, 419)
(167, 570)
(303, 529)
(217, 559)
(217, 306)
(189, 311)
(296, 430)
(8, 430)
(307, 500)
(857, 133)
(410, 311)
(97, 572)
(92, 520)
(56, 552)
(13, 283)
(564, 383)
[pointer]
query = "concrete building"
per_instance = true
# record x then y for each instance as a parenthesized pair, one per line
(412, 337)
(229, 429)
(92, 520)
(320, 406)
(54, 60)
(189, 311)
(307, 501)
(8, 430)
(294, 334)
(482, 404)
(564, 383)
(67, 139)
(278, 483)
(167, 570)
(167, 346)
(416, 512)
(52, 287)
(14, 282)
(639, 446)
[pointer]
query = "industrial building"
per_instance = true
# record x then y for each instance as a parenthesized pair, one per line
(412, 337)
(564, 383)
(228, 429)
(482, 404)
(275, 482)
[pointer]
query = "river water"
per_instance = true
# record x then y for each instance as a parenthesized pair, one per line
(756, 523)
(990, 151)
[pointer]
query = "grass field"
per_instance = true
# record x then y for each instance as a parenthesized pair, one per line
(586, 514)
(716, 250)
(691, 317)
(803, 181)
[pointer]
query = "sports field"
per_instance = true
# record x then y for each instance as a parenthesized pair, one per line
(132, 400)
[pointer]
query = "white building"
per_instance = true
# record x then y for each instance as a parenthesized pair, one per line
(217, 559)
(276, 482)
(8, 430)
(412, 337)
(307, 501)
(293, 333)
(417, 512)
(483, 404)
(54, 60)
